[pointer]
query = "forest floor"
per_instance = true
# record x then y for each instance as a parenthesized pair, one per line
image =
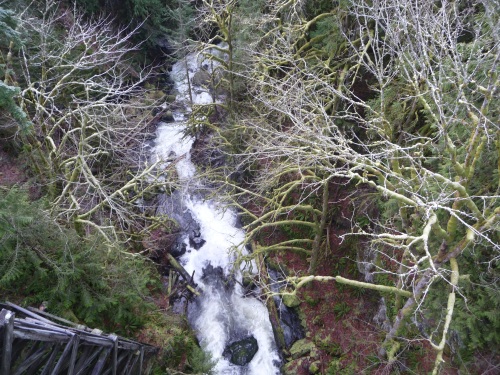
(339, 319)
(11, 170)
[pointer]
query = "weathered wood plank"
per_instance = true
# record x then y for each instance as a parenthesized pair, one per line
(114, 358)
(191, 286)
(133, 364)
(65, 355)
(40, 335)
(31, 322)
(29, 352)
(123, 360)
(101, 362)
(33, 360)
(58, 319)
(125, 367)
(18, 347)
(85, 353)
(141, 361)
(121, 356)
(7, 323)
(87, 358)
(73, 357)
(97, 340)
(36, 348)
(50, 362)
(12, 307)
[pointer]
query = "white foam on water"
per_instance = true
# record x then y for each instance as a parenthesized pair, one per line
(221, 312)
(172, 147)
(221, 236)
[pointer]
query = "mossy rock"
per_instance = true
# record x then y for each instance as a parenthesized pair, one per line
(168, 116)
(290, 300)
(315, 367)
(156, 94)
(301, 348)
(292, 367)
(241, 352)
(277, 266)
(170, 98)
(201, 78)
(248, 280)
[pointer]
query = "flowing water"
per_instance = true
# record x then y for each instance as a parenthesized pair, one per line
(223, 314)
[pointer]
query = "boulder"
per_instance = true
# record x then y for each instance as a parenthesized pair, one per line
(301, 348)
(215, 277)
(168, 116)
(201, 78)
(178, 249)
(290, 300)
(195, 239)
(170, 98)
(241, 352)
(248, 280)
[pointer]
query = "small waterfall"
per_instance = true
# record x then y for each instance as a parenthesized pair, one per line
(222, 315)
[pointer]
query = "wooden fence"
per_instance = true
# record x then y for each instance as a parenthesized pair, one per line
(34, 342)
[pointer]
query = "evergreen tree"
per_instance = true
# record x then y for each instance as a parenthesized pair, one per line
(9, 37)
(79, 279)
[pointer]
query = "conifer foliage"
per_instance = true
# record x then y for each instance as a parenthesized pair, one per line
(78, 278)
(8, 38)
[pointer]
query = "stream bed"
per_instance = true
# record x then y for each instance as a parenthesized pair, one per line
(235, 329)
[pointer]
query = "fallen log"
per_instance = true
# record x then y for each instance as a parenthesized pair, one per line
(190, 284)
(279, 335)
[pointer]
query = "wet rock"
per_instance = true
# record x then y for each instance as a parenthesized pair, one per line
(215, 277)
(241, 352)
(201, 78)
(163, 46)
(172, 206)
(196, 242)
(171, 156)
(381, 319)
(178, 249)
(288, 317)
(195, 239)
(211, 274)
(290, 323)
(168, 116)
(247, 280)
